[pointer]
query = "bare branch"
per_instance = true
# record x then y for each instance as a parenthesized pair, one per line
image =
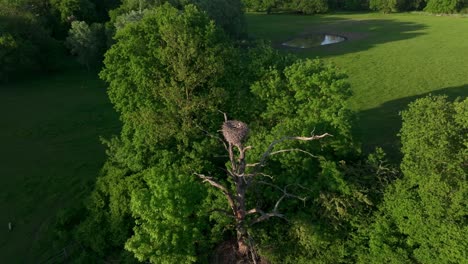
(226, 193)
(265, 175)
(272, 145)
(247, 148)
(264, 216)
(291, 150)
(285, 192)
(225, 115)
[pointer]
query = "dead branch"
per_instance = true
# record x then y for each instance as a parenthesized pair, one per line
(272, 145)
(264, 216)
(291, 150)
(274, 212)
(226, 193)
(224, 114)
(260, 174)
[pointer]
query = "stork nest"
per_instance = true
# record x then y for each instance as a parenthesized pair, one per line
(235, 132)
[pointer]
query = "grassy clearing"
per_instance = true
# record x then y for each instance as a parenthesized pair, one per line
(50, 155)
(390, 59)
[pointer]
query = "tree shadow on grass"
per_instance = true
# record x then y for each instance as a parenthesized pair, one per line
(360, 35)
(378, 127)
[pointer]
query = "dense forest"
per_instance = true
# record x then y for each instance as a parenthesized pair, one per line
(231, 151)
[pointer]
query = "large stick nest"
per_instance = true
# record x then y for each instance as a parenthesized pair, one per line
(235, 132)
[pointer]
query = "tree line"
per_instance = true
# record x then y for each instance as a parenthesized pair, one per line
(39, 35)
(386, 6)
(285, 182)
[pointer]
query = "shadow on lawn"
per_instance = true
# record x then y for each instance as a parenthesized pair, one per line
(360, 35)
(380, 126)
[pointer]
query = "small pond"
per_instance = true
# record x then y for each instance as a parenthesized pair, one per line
(313, 41)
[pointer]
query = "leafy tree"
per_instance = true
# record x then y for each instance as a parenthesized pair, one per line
(310, 6)
(71, 10)
(263, 5)
(25, 44)
(86, 42)
(168, 76)
(423, 217)
(228, 14)
(386, 6)
(296, 100)
(130, 17)
(103, 7)
(350, 5)
(443, 6)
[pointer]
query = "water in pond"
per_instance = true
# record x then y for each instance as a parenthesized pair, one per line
(313, 41)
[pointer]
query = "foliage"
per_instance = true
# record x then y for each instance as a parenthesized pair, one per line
(71, 10)
(385, 6)
(228, 14)
(164, 105)
(299, 99)
(388, 6)
(443, 6)
(423, 218)
(348, 4)
(306, 96)
(170, 221)
(310, 6)
(130, 17)
(103, 7)
(302, 6)
(86, 42)
(326, 228)
(356, 5)
(25, 44)
(167, 74)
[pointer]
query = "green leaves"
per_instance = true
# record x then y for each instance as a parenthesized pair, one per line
(307, 97)
(165, 70)
(425, 207)
(167, 217)
(86, 42)
(443, 6)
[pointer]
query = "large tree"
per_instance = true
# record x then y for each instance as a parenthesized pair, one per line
(168, 76)
(228, 14)
(424, 215)
(444, 6)
(87, 42)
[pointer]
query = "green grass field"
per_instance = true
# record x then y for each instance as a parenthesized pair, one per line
(50, 156)
(390, 59)
(50, 126)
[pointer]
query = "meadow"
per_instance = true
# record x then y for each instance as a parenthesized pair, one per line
(390, 59)
(50, 156)
(50, 150)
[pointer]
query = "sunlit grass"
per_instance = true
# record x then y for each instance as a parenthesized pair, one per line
(390, 60)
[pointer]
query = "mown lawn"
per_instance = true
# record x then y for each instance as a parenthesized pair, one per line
(50, 156)
(390, 60)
